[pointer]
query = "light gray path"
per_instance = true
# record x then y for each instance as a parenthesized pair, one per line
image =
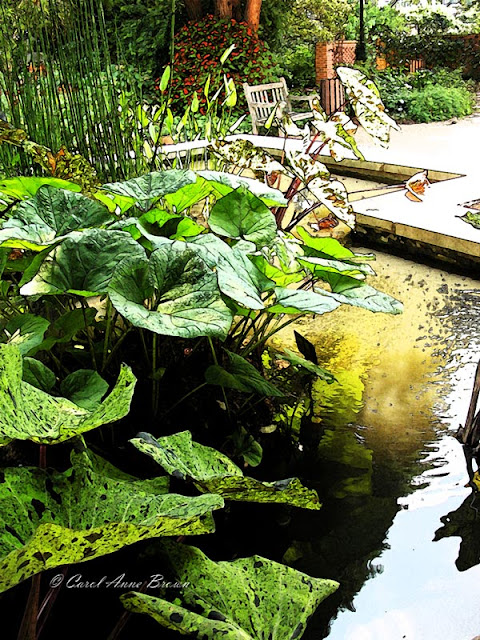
(438, 145)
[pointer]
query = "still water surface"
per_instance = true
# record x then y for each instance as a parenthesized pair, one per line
(398, 528)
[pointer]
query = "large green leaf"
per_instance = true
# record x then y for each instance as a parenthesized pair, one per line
(84, 388)
(48, 519)
(296, 301)
(83, 263)
(239, 374)
(275, 274)
(240, 214)
(213, 472)
(164, 223)
(51, 213)
(366, 297)
(237, 277)
(224, 183)
(320, 266)
(186, 299)
(21, 188)
(329, 248)
(247, 599)
(28, 413)
(26, 331)
(148, 188)
(189, 195)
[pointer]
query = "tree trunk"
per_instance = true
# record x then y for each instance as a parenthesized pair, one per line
(252, 14)
(223, 8)
(236, 10)
(194, 9)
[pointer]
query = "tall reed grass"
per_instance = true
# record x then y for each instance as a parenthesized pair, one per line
(59, 83)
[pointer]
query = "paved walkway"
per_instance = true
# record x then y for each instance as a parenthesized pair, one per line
(442, 146)
(452, 146)
(439, 145)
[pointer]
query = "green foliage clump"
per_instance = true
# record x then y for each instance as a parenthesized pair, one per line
(425, 96)
(140, 31)
(298, 66)
(199, 48)
(306, 23)
(438, 103)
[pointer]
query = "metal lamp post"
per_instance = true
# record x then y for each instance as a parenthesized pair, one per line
(360, 51)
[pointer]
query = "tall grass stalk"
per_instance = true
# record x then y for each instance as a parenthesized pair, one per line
(59, 84)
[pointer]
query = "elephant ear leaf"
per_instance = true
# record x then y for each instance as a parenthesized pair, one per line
(51, 213)
(92, 509)
(188, 303)
(148, 188)
(29, 413)
(83, 263)
(242, 215)
(214, 472)
(247, 599)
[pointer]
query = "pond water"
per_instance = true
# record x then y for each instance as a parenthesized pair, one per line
(398, 528)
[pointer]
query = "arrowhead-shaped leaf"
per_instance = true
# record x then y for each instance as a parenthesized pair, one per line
(367, 297)
(26, 331)
(298, 361)
(239, 374)
(38, 375)
(50, 519)
(247, 599)
(296, 301)
(214, 472)
(27, 413)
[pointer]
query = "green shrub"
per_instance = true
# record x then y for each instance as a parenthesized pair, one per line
(438, 103)
(199, 47)
(425, 96)
(297, 65)
(139, 31)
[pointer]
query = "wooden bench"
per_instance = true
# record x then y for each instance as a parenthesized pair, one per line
(262, 98)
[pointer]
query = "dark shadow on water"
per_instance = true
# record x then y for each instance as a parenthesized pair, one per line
(464, 523)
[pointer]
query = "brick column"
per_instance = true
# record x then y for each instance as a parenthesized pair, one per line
(324, 61)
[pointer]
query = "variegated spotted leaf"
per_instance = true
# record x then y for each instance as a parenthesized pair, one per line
(247, 599)
(27, 413)
(365, 100)
(49, 519)
(214, 472)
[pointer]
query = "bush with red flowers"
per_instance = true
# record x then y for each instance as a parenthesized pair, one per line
(198, 48)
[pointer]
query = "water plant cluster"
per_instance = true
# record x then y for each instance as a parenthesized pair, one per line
(135, 315)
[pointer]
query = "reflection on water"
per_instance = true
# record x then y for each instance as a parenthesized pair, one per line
(387, 462)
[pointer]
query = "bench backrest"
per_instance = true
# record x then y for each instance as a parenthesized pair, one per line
(262, 98)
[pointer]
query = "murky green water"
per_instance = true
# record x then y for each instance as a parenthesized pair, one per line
(398, 528)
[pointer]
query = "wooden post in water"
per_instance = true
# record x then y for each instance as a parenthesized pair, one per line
(469, 435)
